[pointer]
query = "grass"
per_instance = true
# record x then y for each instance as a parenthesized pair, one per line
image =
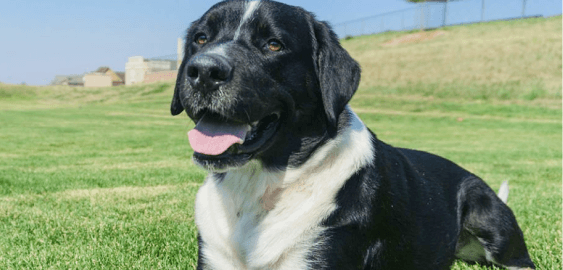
(102, 178)
(496, 60)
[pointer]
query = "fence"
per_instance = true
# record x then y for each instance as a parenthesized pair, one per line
(428, 15)
(169, 57)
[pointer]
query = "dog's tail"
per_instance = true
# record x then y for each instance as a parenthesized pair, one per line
(503, 192)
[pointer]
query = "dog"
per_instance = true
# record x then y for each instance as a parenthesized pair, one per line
(296, 180)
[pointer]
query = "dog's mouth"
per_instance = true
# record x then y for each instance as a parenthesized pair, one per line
(217, 140)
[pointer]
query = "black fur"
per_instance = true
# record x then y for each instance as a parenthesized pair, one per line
(337, 82)
(200, 260)
(264, 81)
(416, 210)
(407, 210)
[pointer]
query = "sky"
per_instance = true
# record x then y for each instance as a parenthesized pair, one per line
(40, 39)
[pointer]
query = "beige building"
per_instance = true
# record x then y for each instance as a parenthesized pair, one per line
(141, 70)
(137, 68)
(97, 79)
(180, 52)
(104, 77)
(160, 76)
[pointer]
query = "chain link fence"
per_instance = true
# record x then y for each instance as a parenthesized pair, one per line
(429, 15)
(169, 57)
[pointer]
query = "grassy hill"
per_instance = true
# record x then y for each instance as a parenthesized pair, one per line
(102, 179)
(499, 60)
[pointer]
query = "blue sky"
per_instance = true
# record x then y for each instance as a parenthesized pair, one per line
(41, 39)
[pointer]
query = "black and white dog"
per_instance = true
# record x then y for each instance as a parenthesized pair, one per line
(296, 179)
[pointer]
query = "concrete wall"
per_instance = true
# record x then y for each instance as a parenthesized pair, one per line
(97, 80)
(168, 75)
(180, 52)
(135, 70)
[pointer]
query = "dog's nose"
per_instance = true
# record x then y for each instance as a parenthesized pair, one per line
(208, 72)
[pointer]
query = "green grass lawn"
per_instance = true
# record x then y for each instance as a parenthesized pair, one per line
(102, 178)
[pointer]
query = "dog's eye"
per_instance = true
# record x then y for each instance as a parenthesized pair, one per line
(201, 39)
(274, 45)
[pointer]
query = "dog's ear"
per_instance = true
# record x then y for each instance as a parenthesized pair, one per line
(338, 73)
(176, 105)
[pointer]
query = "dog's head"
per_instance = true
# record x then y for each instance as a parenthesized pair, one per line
(261, 80)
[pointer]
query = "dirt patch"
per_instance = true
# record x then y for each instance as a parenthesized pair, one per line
(416, 37)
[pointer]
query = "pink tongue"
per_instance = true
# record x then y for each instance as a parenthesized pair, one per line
(211, 137)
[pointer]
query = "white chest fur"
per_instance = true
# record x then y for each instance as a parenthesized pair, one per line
(255, 219)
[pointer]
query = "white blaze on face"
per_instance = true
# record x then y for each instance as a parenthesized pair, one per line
(251, 7)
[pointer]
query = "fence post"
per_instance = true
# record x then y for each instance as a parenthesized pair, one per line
(421, 16)
(523, 8)
(445, 21)
(482, 10)
(403, 21)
